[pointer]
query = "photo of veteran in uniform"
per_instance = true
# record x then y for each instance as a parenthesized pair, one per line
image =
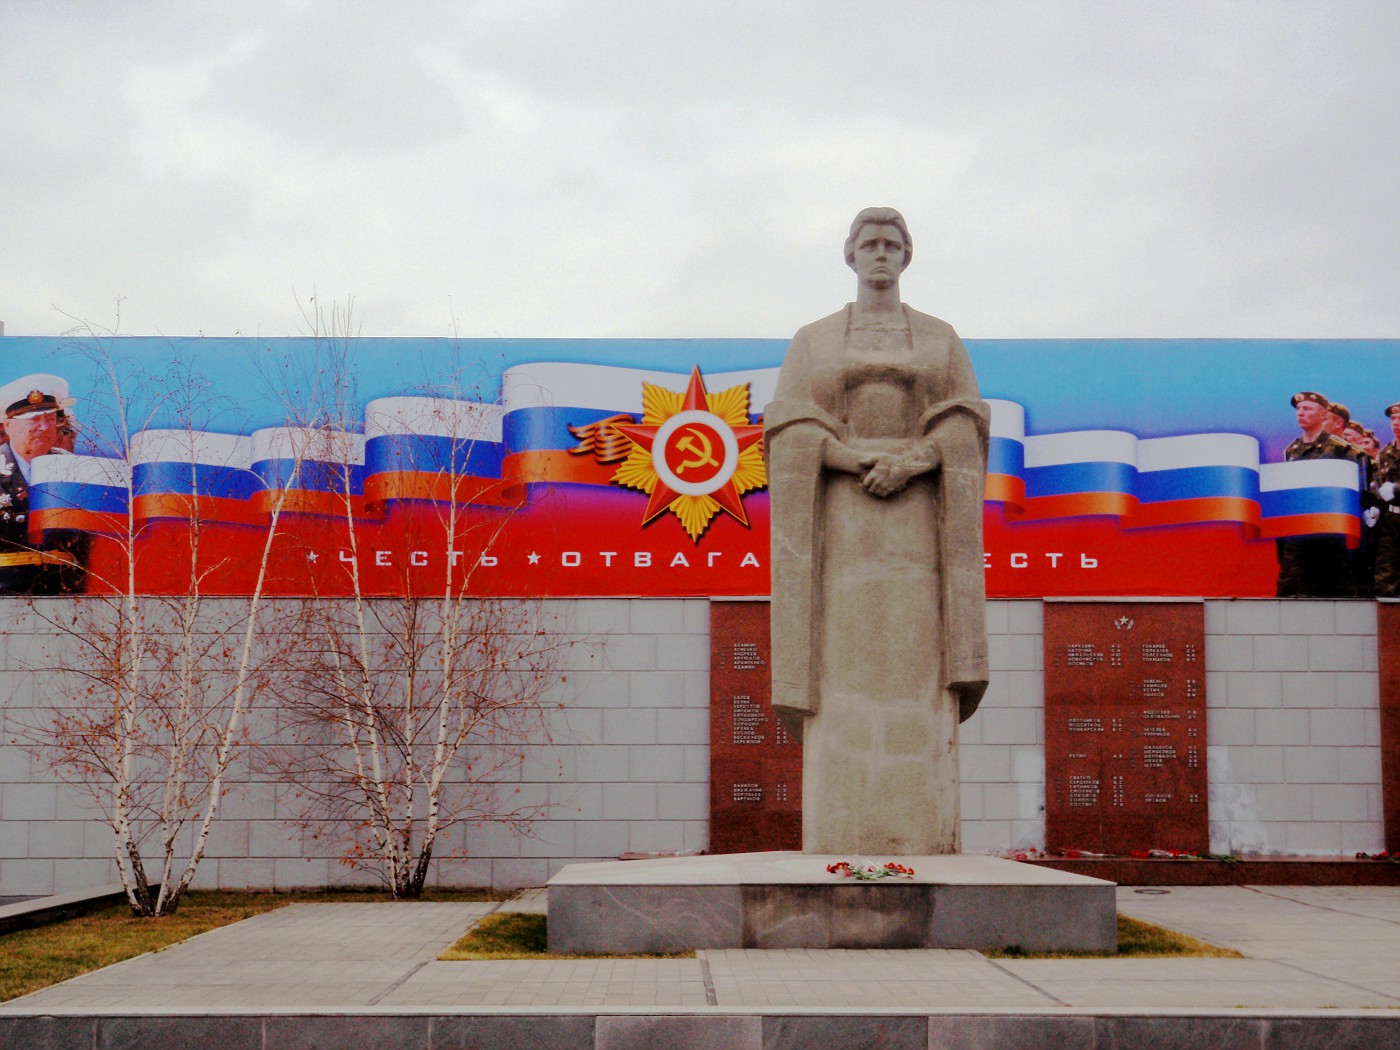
(1315, 566)
(1387, 492)
(35, 417)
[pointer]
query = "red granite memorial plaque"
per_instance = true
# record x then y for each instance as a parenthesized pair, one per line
(1125, 727)
(755, 767)
(1388, 645)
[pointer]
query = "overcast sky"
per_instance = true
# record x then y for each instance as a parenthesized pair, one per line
(686, 169)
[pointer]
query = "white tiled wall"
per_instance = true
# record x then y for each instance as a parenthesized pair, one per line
(1294, 755)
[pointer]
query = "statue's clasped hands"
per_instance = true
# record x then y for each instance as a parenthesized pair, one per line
(885, 474)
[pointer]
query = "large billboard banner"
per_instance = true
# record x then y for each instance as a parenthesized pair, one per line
(635, 467)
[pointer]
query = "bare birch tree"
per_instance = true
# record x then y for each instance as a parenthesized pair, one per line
(408, 714)
(151, 691)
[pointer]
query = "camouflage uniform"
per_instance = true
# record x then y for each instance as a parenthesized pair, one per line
(1315, 566)
(56, 565)
(1388, 528)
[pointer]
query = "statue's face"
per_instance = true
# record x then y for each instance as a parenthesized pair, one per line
(878, 256)
(33, 435)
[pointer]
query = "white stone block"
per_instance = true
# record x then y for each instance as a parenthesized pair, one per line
(28, 801)
(1303, 616)
(682, 652)
(1288, 726)
(985, 763)
(520, 873)
(601, 838)
(684, 726)
(1014, 652)
(1340, 802)
(1342, 727)
(1359, 765)
(629, 801)
(28, 878)
(657, 616)
(1337, 653)
(1247, 616)
(1249, 689)
(1357, 690)
(549, 838)
(1229, 726)
(683, 801)
(697, 763)
(1279, 652)
(1308, 690)
(970, 800)
(1230, 653)
(629, 726)
(1357, 617)
(597, 689)
(998, 617)
(986, 836)
(697, 617)
(1257, 765)
(600, 616)
(598, 762)
(657, 688)
(1279, 804)
(1011, 726)
(70, 874)
(1313, 837)
(656, 763)
(1025, 617)
(632, 652)
(1310, 765)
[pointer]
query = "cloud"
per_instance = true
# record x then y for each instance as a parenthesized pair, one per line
(667, 169)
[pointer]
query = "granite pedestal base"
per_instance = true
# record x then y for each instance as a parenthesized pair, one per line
(788, 900)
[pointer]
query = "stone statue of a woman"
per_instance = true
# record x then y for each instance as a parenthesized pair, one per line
(877, 452)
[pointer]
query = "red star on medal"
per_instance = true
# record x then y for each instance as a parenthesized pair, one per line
(705, 450)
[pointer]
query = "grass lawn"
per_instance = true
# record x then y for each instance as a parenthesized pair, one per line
(513, 935)
(33, 959)
(1136, 940)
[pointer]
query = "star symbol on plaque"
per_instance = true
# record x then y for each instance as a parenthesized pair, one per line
(1123, 623)
(694, 453)
(534, 557)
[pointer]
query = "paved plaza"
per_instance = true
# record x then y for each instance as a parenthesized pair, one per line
(1307, 948)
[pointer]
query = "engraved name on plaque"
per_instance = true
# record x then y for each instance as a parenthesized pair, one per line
(755, 767)
(1125, 727)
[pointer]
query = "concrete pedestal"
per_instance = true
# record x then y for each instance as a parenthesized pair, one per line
(788, 900)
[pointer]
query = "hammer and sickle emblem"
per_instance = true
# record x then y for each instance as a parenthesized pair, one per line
(703, 452)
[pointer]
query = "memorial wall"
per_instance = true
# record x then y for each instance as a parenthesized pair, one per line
(624, 481)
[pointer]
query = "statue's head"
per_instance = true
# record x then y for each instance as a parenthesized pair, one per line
(879, 217)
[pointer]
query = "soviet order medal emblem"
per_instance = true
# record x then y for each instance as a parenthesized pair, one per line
(693, 453)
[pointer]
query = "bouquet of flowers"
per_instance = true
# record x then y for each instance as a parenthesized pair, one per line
(867, 872)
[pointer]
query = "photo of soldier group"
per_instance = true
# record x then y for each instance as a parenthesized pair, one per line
(1322, 566)
(37, 422)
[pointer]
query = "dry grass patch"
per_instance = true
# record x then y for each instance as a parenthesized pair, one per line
(36, 958)
(1136, 940)
(516, 935)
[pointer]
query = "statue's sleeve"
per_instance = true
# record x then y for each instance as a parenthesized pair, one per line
(958, 427)
(795, 429)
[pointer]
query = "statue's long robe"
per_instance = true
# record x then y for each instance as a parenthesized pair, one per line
(834, 558)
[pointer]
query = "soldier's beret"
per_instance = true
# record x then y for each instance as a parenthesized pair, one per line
(1392, 409)
(1309, 395)
(1341, 410)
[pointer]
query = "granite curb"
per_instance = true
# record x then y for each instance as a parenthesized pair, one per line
(641, 1029)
